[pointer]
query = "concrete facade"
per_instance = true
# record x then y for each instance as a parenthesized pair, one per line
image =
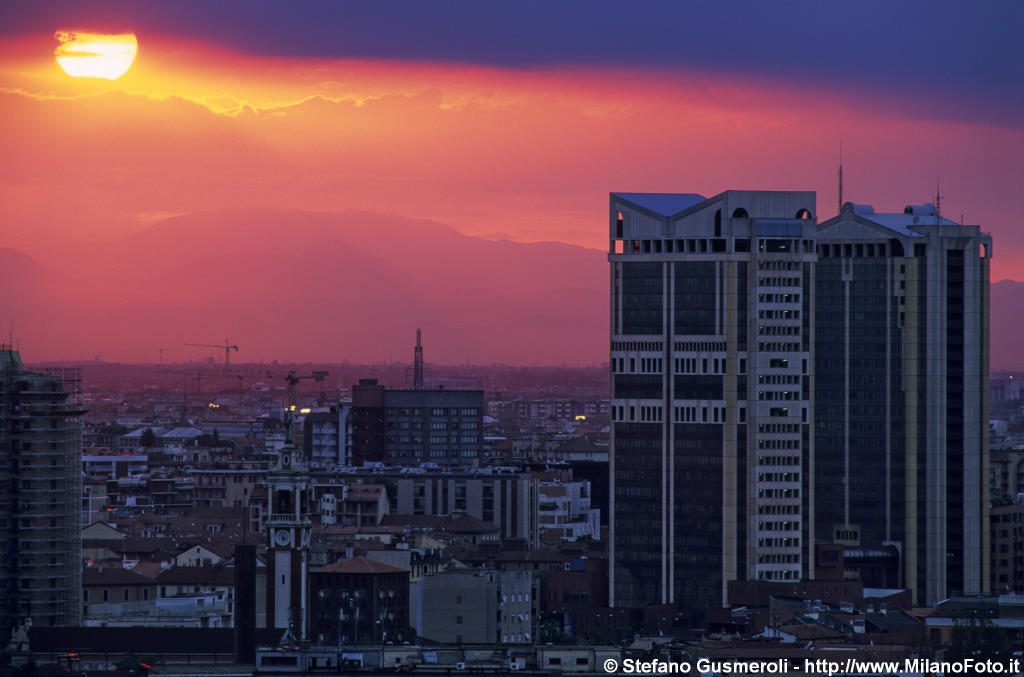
(712, 302)
(475, 607)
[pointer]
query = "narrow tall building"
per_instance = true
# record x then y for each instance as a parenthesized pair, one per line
(712, 304)
(40, 514)
(901, 393)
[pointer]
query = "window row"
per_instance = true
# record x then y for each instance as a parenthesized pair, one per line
(697, 346)
(650, 414)
(778, 526)
(779, 542)
(688, 246)
(778, 493)
(778, 510)
(778, 298)
(689, 365)
(778, 559)
(779, 379)
(777, 395)
(778, 477)
(774, 347)
(768, 281)
(870, 249)
(778, 460)
(634, 346)
(778, 444)
(775, 314)
(647, 365)
(778, 331)
(717, 415)
(778, 427)
(778, 265)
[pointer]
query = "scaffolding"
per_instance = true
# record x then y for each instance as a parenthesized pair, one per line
(40, 515)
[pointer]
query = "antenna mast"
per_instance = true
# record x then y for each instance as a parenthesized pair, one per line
(839, 209)
(417, 369)
(938, 201)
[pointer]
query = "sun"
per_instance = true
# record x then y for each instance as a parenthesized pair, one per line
(92, 55)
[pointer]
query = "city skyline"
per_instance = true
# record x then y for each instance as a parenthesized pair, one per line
(493, 122)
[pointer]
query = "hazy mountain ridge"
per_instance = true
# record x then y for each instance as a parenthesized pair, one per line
(1006, 324)
(292, 284)
(348, 285)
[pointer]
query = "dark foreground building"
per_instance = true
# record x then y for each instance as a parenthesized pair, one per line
(40, 514)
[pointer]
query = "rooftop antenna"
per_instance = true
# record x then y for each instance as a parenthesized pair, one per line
(840, 207)
(938, 201)
(417, 369)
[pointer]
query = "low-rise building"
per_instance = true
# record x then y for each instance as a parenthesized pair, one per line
(359, 600)
(564, 511)
(473, 606)
(1006, 522)
(327, 436)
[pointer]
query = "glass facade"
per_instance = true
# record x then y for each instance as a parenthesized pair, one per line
(900, 430)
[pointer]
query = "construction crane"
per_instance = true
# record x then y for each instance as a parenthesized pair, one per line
(289, 409)
(227, 347)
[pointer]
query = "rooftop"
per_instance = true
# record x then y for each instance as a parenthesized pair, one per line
(901, 223)
(665, 204)
(359, 565)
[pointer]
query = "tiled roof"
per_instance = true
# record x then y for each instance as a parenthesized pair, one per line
(197, 575)
(359, 565)
(113, 575)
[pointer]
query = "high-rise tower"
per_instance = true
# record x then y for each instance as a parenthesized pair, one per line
(40, 514)
(712, 304)
(901, 393)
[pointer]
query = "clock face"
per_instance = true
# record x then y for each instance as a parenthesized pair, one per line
(286, 460)
(282, 538)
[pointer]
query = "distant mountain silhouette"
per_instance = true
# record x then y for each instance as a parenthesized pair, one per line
(1006, 320)
(352, 285)
(27, 293)
(331, 286)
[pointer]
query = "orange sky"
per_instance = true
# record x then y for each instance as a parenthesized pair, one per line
(523, 154)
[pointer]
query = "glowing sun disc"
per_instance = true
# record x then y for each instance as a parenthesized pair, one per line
(92, 55)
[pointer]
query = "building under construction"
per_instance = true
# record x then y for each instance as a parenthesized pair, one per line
(40, 474)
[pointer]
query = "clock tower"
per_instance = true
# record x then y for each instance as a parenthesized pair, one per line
(288, 534)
